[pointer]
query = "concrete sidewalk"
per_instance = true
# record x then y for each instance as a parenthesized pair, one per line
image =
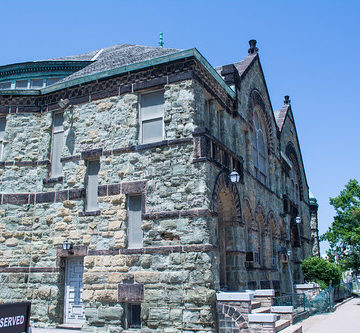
(345, 320)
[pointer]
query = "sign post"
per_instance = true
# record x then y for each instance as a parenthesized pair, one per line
(15, 317)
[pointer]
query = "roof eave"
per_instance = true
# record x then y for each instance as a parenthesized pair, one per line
(141, 65)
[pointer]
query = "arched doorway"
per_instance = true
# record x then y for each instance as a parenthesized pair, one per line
(230, 230)
(226, 217)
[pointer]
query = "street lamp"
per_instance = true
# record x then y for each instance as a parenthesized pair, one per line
(298, 219)
(234, 176)
(289, 252)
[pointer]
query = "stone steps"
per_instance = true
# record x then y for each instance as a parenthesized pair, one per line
(255, 304)
(292, 329)
(261, 310)
(281, 324)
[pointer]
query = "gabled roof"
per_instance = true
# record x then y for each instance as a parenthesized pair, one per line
(280, 115)
(243, 65)
(114, 57)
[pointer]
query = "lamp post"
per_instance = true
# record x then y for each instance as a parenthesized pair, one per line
(234, 176)
(289, 252)
(67, 245)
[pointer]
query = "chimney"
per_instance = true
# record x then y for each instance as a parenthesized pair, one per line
(286, 100)
(253, 49)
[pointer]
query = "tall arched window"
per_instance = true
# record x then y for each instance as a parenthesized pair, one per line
(294, 185)
(259, 148)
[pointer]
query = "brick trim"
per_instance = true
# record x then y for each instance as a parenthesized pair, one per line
(151, 250)
(29, 269)
(176, 214)
(71, 194)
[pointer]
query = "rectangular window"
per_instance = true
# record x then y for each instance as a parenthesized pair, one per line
(5, 85)
(218, 124)
(22, 84)
(152, 117)
(57, 144)
(93, 167)
(133, 315)
(134, 231)
(2, 135)
(50, 81)
(36, 83)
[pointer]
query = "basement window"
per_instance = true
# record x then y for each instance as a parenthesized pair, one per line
(133, 318)
(152, 117)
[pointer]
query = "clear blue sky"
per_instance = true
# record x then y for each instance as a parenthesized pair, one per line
(308, 49)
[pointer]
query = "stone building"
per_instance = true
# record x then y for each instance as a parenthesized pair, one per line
(116, 206)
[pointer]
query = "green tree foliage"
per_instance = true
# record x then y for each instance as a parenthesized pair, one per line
(319, 270)
(344, 232)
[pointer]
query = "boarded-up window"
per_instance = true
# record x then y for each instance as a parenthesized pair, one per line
(57, 145)
(134, 231)
(152, 117)
(93, 167)
(2, 135)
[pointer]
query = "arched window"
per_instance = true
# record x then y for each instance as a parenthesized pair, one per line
(294, 186)
(259, 148)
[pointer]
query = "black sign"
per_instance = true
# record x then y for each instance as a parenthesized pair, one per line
(15, 317)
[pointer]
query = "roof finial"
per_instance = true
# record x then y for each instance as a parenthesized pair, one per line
(161, 41)
(253, 49)
(286, 100)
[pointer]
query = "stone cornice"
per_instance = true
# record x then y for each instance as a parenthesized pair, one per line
(41, 66)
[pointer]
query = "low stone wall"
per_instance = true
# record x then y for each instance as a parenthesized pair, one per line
(311, 290)
(233, 310)
(265, 296)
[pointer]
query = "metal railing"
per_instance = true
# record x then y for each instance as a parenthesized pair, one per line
(298, 301)
(342, 291)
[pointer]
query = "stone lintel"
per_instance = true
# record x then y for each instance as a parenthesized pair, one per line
(262, 318)
(306, 286)
(130, 292)
(235, 296)
(282, 309)
(264, 292)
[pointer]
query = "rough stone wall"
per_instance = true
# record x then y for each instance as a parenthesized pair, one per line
(178, 267)
(177, 274)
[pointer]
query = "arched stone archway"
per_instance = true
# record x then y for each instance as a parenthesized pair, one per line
(231, 234)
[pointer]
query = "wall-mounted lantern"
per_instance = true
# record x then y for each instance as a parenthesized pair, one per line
(298, 219)
(234, 176)
(67, 245)
(289, 253)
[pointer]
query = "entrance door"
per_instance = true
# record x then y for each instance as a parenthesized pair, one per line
(73, 306)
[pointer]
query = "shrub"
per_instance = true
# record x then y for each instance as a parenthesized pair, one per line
(321, 271)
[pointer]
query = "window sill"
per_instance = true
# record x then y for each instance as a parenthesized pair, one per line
(53, 180)
(91, 213)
